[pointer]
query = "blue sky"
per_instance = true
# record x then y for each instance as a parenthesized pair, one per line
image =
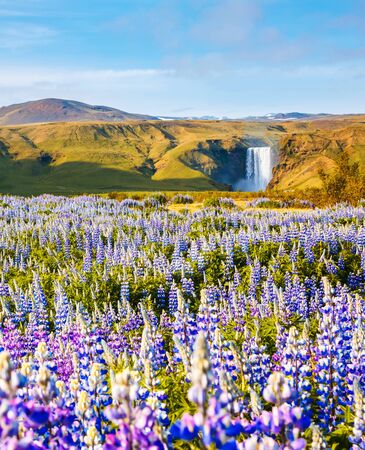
(187, 57)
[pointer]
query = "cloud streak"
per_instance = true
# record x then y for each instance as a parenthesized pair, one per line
(19, 35)
(35, 76)
(30, 76)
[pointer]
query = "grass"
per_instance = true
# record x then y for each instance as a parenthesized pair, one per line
(169, 156)
(92, 157)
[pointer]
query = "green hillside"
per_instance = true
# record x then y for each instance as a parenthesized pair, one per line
(92, 157)
(98, 157)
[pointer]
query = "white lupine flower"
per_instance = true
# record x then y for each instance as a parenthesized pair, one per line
(41, 354)
(200, 371)
(83, 402)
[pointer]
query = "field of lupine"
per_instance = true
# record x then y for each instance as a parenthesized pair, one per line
(125, 325)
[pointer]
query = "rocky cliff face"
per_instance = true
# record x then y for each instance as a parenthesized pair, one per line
(303, 154)
(223, 160)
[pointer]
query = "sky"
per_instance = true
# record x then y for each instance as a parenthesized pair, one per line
(186, 57)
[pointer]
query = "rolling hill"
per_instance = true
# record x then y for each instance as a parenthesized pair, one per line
(92, 157)
(101, 157)
(58, 110)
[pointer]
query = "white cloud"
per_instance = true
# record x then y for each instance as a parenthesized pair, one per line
(307, 71)
(48, 79)
(28, 77)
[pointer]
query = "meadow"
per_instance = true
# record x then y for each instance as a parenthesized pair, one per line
(163, 323)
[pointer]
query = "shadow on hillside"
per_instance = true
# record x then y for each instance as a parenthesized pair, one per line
(225, 165)
(31, 177)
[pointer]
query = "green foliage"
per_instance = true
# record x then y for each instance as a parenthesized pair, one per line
(177, 393)
(268, 332)
(211, 202)
(220, 202)
(215, 267)
(180, 199)
(269, 204)
(339, 438)
(264, 252)
(346, 184)
(157, 197)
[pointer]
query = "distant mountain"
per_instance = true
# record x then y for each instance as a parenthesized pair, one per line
(58, 110)
(192, 118)
(286, 116)
(265, 118)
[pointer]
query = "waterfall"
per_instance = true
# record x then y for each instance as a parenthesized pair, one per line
(259, 165)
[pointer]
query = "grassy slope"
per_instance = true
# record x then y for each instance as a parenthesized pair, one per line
(95, 157)
(309, 146)
(102, 157)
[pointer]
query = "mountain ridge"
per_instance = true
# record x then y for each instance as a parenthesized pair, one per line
(263, 118)
(60, 110)
(50, 110)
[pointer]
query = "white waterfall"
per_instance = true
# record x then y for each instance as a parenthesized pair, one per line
(259, 165)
